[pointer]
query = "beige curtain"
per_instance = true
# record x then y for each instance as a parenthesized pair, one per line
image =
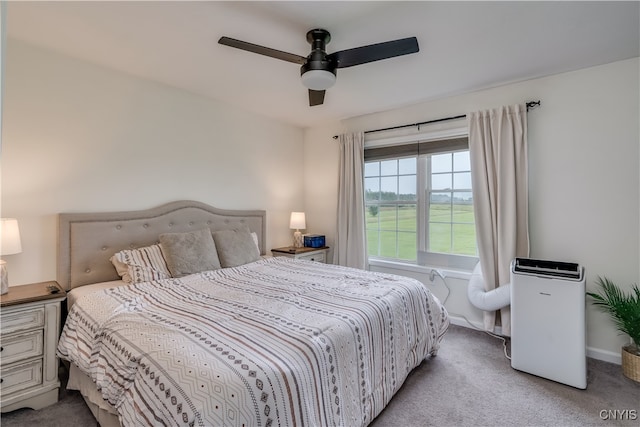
(498, 151)
(351, 247)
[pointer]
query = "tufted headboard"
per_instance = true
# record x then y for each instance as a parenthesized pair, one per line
(86, 241)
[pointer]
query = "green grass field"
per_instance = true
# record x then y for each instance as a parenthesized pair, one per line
(383, 240)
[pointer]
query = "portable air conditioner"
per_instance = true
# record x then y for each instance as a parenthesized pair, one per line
(548, 320)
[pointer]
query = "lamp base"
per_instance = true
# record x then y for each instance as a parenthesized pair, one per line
(4, 278)
(297, 239)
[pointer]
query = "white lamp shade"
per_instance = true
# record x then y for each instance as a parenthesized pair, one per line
(10, 237)
(297, 221)
(318, 79)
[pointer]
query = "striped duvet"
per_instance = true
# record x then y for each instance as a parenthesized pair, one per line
(277, 342)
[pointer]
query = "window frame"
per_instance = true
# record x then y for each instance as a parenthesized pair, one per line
(437, 141)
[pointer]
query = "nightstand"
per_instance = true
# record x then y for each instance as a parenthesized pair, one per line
(29, 331)
(309, 254)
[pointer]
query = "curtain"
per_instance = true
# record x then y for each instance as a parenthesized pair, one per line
(498, 151)
(351, 246)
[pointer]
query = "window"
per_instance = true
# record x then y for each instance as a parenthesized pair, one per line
(419, 204)
(449, 204)
(391, 208)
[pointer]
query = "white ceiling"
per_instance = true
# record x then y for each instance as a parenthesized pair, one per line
(464, 46)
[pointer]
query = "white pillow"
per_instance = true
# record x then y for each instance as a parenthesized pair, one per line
(254, 235)
(141, 265)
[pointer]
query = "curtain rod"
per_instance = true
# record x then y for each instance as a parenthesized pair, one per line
(530, 105)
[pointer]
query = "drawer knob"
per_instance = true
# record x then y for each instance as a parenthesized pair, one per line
(1, 348)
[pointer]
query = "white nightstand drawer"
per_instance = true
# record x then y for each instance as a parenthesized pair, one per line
(22, 376)
(307, 254)
(20, 320)
(21, 347)
(30, 317)
(318, 257)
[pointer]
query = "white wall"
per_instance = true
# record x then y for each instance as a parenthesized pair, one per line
(584, 182)
(79, 137)
(321, 182)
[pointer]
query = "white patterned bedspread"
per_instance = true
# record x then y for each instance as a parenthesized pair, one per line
(278, 342)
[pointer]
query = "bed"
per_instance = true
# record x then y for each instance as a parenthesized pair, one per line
(253, 341)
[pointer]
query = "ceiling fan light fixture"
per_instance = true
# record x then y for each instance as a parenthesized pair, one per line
(318, 79)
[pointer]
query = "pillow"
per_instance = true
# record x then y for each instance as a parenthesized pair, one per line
(254, 236)
(141, 265)
(235, 247)
(190, 252)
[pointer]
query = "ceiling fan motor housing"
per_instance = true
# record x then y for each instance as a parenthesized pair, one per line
(318, 61)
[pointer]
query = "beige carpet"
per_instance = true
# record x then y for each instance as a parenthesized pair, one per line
(470, 383)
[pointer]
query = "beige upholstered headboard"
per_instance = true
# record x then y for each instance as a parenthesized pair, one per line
(86, 241)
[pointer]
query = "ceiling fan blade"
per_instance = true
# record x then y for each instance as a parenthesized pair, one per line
(375, 52)
(273, 53)
(316, 97)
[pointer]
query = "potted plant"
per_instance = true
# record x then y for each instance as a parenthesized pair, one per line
(625, 312)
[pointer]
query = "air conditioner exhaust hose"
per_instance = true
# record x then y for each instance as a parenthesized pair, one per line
(487, 300)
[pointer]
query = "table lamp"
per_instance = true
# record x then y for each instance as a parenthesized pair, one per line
(297, 222)
(9, 245)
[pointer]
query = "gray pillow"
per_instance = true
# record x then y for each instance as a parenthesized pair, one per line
(190, 252)
(235, 247)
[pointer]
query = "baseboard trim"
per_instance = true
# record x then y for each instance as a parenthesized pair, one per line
(592, 352)
(461, 321)
(604, 355)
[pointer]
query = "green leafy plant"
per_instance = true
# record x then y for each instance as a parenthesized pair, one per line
(623, 308)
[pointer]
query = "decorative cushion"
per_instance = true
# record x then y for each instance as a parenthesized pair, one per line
(190, 252)
(141, 265)
(235, 247)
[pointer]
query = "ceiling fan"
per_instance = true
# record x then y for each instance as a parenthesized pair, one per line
(318, 70)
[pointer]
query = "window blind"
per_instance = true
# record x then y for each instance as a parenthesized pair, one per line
(415, 149)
